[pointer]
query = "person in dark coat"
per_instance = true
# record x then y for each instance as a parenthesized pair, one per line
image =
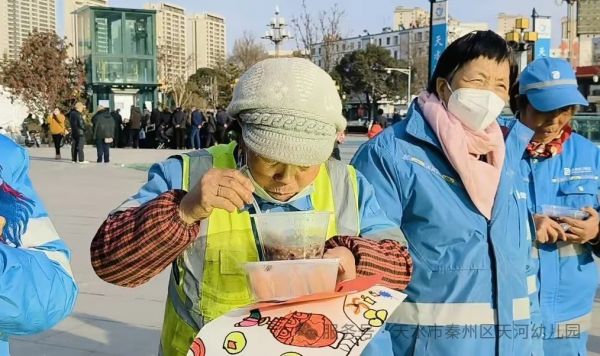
(135, 125)
(116, 115)
(179, 128)
(222, 120)
(155, 117)
(197, 123)
(188, 129)
(396, 118)
(211, 129)
(77, 133)
(104, 131)
(381, 119)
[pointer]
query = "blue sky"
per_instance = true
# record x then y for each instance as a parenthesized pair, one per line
(373, 15)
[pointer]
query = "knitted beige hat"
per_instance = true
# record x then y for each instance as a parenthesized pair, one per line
(290, 111)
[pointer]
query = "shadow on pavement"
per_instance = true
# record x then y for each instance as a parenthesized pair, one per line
(102, 337)
(49, 159)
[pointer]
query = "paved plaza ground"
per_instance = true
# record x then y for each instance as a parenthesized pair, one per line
(110, 320)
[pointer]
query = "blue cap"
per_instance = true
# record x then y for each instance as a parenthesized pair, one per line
(550, 84)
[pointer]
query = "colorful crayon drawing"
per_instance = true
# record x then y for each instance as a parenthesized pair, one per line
(15, 211)
(235, 342)
(338, 326)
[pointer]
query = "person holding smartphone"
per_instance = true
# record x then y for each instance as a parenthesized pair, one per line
(561, 172)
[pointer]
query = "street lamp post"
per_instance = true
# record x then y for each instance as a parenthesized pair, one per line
(277, 32)
(406, 71)
(571, 21)
(521, 40)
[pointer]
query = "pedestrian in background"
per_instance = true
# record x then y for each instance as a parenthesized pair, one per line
(340, 139)
(197, 123)
(179, 128)
(104, 130)
(116, 115)
(135, 125)
(211, 130)
(222, 119)
(381, 119)
(58, 128)
(188, 128)
(396, 117)
(77, 133)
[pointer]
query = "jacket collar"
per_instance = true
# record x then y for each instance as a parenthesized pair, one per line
(419, 128)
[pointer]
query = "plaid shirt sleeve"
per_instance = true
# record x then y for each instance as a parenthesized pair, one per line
(134, 245)
(387, 257)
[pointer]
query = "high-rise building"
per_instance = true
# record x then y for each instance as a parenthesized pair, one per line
(3, 28)
(405, 18)
(70, 21)
(206, 44)
(171, 39)
(506, 23)
(18, 18)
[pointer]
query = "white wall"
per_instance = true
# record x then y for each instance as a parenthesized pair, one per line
(12, 114)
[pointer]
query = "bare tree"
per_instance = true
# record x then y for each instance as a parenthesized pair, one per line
(247, 52)
(325, 29)
(174, 81)
(306, 30)
(329, 29)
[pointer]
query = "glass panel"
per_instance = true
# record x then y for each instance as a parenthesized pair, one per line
(109, 70)
(139, 71)
(84, 38)
(589, 128)
(139, 35)
(107, 27)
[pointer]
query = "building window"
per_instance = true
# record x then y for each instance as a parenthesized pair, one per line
(107, 27)
(319, 53)
(395, 40)
(109, 70)
(359, 45)
(380, 42)
(388, 41)
(395, 54)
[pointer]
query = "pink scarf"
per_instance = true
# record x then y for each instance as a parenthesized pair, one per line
(464, 148)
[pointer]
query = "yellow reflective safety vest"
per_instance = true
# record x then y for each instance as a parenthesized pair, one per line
(208, 279)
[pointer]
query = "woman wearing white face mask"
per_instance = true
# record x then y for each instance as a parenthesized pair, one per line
(448, 178)
(194, 211)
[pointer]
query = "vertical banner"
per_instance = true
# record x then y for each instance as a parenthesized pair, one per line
(543, 27)
(439, 33)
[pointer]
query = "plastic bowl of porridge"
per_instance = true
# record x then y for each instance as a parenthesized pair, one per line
(292, 235)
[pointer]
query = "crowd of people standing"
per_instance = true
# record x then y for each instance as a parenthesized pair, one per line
(175, 128)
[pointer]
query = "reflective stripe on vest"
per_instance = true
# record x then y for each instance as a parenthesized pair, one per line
(531, 284)
(440, 314)
(211, 279)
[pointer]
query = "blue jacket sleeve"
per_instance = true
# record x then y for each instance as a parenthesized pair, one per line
(374, 222)
(376, 166)
(162, 177)
(37, 289)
